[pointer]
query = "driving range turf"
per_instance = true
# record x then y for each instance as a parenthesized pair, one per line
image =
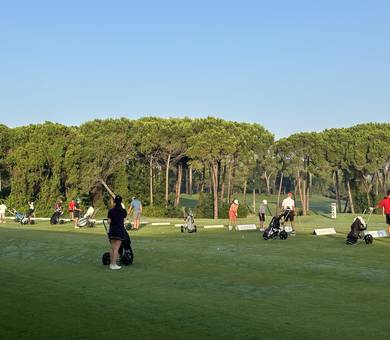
(212, 284)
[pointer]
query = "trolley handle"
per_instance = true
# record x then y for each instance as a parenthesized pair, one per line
(105, 224)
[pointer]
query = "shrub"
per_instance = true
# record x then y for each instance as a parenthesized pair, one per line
(161, 211)
(205, 208)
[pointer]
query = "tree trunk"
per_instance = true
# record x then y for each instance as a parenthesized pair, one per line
(214, 171)
(350, 197)
(223, 184)
(377, 184)
(190, 179)
(203, 179)
(346, 205)
(151, 180)
(167, 179)
(229, 189)
(274, 184)
(245, 188)
(254, 199)
(267, 180)
(300, 193)
(280, 190)
(179, 177)
(337, 188)
(308, 195)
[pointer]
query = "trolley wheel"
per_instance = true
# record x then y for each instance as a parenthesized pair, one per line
(195, 230)
(283, 235)
(368, 239)
(127, 258)
(106, 259)
(182, 229)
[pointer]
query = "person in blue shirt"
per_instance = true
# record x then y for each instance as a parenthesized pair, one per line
(136, 208)
(116, 219)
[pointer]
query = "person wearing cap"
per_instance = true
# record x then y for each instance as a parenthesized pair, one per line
(262, 210)
(136, 208)
(288, 207)
(116, 219)
(233, 213)
(76, 213)
(385, 205)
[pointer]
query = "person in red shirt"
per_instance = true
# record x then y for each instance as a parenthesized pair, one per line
(385, 205)
(233, 213)
(71, 206)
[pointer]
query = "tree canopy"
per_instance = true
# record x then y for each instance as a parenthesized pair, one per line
(158, 159)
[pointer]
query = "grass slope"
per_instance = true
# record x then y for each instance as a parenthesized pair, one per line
(213, 284)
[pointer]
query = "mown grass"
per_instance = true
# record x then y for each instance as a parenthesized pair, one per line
(213, 284)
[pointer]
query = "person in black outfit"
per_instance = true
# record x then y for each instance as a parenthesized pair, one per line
(116, 219)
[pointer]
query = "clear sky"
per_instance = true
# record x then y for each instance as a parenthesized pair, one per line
(288, 65)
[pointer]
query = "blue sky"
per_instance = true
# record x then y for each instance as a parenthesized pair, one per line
(289, 65)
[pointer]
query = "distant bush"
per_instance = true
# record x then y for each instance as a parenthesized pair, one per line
(162, 211)
(205, 208)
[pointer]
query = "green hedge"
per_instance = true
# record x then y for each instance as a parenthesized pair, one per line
(205, 208)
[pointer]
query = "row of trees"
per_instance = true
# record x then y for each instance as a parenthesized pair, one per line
(158, 159)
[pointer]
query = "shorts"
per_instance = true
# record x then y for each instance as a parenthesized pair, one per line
(289, 215)
(261, 217)
(137, 214)
(388, 219)
(116, 233)
(76, 214)
(30, 212)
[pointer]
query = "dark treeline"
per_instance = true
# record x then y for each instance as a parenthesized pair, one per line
(159, 159)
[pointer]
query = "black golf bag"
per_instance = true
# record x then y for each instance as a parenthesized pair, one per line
(357, 232)
(274, 229)
(55, 218)
(126, 255)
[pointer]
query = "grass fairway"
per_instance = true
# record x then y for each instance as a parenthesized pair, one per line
(213, 284)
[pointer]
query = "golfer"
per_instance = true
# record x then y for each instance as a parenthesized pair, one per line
(71, 206)
(385, 205)
(76, 213)
(262, 209)
(136, 208)
(288, 206)
(3, 209)
(116, 219)
(31, 211)
(233, 213)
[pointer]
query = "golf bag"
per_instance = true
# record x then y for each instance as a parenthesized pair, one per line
(189, 225)
(85, 221)
(55, 218)
(357, 232)
(274, 229)
(126, 255)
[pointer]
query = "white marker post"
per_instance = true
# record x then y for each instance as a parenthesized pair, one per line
(333, 207)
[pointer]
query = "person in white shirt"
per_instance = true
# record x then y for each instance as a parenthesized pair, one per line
(31, 211)
(3, 209)
(288, 207)
(262, 211)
